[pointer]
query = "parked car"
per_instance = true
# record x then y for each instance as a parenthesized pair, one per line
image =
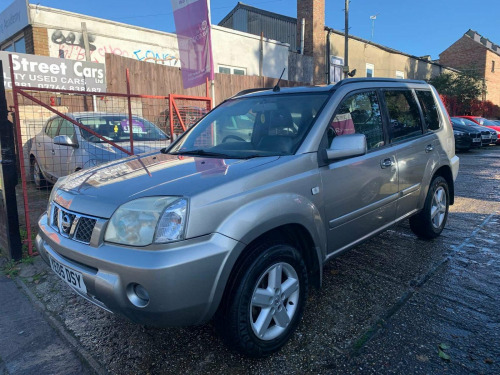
(465, 137)
(487, 123)
(62, 147)
(487, 134)
(239, 229)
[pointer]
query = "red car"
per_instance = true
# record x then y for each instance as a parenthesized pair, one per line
(485, 122)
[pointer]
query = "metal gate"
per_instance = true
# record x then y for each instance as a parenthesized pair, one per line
(59, 132)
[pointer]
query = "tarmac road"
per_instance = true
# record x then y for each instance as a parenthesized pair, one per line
(385, 306)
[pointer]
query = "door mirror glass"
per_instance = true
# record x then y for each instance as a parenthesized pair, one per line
(64, 140)
(346, 146)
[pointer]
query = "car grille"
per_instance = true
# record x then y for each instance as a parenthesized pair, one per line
(72, 225)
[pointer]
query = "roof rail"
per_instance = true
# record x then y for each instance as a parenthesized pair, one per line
(248, 91)
(371, 79)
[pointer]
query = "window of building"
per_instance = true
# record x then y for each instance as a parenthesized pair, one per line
(336, 66)
(493, 65)
(404, 116)
(359, 113)
(16, 45)
(370, 70)
(400, 74)
(232, 70)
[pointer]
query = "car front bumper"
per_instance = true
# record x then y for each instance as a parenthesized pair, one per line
(185, 280)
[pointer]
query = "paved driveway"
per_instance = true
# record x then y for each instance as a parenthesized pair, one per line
(385, 306)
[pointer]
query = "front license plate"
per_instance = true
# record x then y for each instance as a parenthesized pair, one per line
(72, 277)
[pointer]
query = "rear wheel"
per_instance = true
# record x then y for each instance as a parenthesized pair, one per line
(430, 222)
(36, 174)
(266, 302)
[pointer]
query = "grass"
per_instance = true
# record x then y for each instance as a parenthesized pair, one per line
(10, 269)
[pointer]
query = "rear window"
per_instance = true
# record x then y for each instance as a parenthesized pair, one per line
(429, 109)
(404, 116)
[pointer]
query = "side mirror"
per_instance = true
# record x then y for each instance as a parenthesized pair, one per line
(346, 146)
(64, 140)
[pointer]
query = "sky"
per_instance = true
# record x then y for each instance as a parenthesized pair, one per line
(416, 27)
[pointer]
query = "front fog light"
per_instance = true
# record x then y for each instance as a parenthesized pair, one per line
(138, 295)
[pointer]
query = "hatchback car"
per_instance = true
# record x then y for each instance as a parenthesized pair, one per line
(238, 227)
(62, 147)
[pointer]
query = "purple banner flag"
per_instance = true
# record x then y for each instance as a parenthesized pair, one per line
(192, 24)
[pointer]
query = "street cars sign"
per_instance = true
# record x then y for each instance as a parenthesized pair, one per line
(53, 73)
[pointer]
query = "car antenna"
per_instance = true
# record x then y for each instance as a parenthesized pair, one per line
(277, 87)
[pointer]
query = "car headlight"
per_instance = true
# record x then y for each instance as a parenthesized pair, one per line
(457, 132)
(149, 220)
(58, 183)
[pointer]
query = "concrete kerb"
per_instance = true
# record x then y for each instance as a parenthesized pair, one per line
(84, 355)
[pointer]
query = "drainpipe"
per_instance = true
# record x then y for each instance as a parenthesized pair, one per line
(328, 77)
(302, 34)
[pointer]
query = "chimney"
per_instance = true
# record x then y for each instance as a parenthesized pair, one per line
(313, 11)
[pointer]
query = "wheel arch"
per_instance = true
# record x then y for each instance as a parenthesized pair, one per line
(293, 234)
(446, 173)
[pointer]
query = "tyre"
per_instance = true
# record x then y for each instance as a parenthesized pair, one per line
(37, 175)
(430, 222)
(265, 303)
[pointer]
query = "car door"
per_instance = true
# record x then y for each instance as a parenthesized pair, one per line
(64, 156)
(360, 193)
(415, 148)
(45, 149)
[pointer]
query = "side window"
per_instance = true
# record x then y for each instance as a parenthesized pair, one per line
(404, 116)
(429, 108)
(67, 128)
(359, 113)
(51, 129)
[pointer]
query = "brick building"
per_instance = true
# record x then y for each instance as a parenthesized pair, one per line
(473, 52)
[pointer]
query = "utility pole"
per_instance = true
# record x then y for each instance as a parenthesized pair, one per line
(346, 41)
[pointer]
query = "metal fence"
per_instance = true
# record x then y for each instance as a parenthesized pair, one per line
(60, 132)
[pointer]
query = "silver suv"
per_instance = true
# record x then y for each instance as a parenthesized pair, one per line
(235, 219)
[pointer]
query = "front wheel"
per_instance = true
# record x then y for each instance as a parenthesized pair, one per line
(430, 222)
(37, 174)
(267, 301)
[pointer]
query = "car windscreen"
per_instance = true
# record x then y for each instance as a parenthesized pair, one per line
(254, 126)
(487, 122)
(116, 128)
(463, 121)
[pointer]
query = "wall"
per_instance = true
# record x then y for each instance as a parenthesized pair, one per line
(238, 49)
(230, 47)
(385, 60)
(492, 77)
(300, 68)
(465, 53)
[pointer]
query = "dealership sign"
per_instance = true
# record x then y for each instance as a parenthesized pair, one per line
(13, 19)
(53, 73)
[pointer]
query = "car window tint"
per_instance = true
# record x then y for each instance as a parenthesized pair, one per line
(67, 128)
(429, 108)
(51, 129)
(359, 113)
(404, 116)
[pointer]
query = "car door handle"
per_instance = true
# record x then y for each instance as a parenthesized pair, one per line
(429, 148)
(386, 163)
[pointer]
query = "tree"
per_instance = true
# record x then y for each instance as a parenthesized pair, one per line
(465, 87)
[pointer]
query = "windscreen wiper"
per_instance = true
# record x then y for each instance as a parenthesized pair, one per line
(200, 152)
